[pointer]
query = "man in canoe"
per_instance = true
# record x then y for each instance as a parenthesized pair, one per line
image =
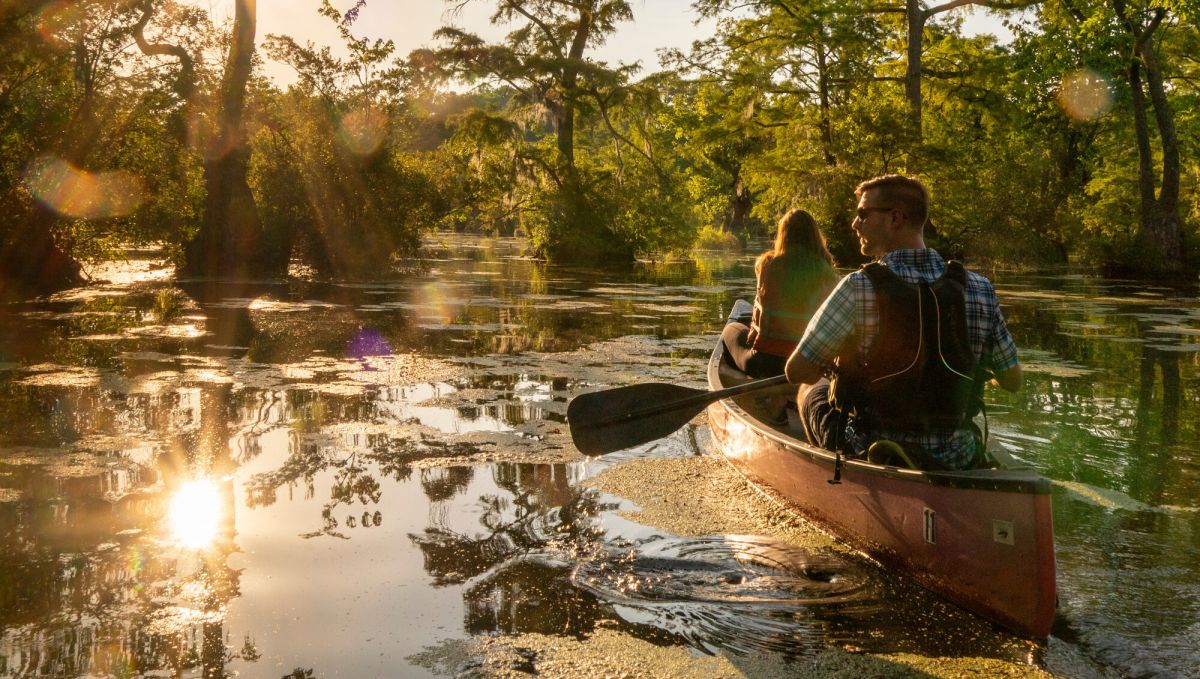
(909, 340)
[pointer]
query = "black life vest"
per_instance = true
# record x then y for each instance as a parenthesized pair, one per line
(919, 373)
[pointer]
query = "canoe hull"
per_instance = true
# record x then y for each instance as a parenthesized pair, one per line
(983, 539)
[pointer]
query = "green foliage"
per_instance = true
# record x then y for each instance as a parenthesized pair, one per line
(714, 238)
(348, 214)
(94, 143)
(570, 158)
(330, 169)
(785, 105)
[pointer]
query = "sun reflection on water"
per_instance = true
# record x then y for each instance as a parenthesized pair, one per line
(195, 513)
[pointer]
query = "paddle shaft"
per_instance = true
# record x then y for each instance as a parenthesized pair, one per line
(699, 399)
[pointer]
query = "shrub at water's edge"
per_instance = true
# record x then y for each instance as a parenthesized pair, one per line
(716, 238)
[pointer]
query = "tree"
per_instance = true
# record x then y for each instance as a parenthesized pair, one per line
(799, 85)
(1161, 231)
(331, 164)
(230, 242)
(1131, 41)
(58, 63)
(917, 16)
(543, 61)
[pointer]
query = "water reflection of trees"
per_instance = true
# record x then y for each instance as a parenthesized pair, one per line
(1126, 430)
(91, 582)
(354, 475)
(538, 507)
(518, 567)
(75, 602)
(519, 399)
(1167, 361)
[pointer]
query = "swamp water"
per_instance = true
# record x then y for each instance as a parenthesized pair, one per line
(353, 480)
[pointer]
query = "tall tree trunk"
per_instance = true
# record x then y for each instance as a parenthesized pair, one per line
(740, 205)
(570, 78)
(912, 72)
(825, 124)
(230, 239)
(917, 17)
(185, 88)
(1160, 233)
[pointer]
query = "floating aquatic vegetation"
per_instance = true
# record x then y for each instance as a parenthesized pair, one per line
(63, 462)
(296, 372)
(63, 377)
(330, 388)
(570, 305)
(1115, 499)
(1176, 330)
(131, 271)
(177, 331)
(149, 356)
(670, 309)
(209, 376)
(1177, 348)
(692, 496)
(464, 327)
(1050, 364)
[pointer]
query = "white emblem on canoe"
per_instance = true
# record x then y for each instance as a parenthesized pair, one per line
(1002, 531)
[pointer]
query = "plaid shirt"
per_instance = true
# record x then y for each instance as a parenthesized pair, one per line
(851, 310)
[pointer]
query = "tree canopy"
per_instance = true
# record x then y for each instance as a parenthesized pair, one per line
(134, 122)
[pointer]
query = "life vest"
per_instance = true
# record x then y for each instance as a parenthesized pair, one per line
(919, 373)
(789, 291)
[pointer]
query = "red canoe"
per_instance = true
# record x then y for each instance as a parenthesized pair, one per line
(981, 538)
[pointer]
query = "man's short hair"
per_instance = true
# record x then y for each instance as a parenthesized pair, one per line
(906, 193)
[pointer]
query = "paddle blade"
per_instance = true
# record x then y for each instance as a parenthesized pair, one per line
(605, 421)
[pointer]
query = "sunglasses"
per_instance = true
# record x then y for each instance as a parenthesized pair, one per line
(864, 211)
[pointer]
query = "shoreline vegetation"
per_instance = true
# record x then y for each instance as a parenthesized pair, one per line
(145, 121)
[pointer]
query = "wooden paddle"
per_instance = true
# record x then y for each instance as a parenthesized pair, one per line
(605, 421)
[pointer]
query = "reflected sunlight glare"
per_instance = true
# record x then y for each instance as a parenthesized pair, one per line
(195, 513)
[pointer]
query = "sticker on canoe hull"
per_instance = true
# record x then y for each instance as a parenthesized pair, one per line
(1002, 531)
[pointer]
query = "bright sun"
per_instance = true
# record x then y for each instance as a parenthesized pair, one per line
(195, 513)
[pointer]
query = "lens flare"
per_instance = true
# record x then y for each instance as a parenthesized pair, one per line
(73, 192)
(1085, 95)
(55, 20)
(367, 342)
(195, 513)
(437, 305)
(363, 129)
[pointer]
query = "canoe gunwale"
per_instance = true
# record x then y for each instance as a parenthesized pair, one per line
(1002, 480)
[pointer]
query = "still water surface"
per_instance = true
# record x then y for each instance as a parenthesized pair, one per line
(263, 478)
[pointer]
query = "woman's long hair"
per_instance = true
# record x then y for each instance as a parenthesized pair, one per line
(796, 233)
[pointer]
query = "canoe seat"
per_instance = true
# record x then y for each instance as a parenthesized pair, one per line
(891, 454)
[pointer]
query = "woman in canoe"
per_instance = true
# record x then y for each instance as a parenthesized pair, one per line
(794, 277)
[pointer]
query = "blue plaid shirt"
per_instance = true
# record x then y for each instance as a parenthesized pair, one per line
(851, 310)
